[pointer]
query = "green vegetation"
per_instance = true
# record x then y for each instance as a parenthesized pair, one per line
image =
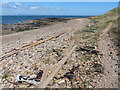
(86, 58)
(48, 61)
(5, 76)
(88, 30)
(110, 17)
(103, 20)
(20, 30)
(91, 33)
(48, 51)
(84, 34)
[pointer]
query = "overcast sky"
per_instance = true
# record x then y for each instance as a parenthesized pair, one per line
(56, 8)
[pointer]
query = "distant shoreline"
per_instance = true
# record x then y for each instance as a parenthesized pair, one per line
(30, 25)
(26, 23)
(12, 19)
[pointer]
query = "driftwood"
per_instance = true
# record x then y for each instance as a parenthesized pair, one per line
(41, 41)
(9, 53)
(45, 74)
(61, 62)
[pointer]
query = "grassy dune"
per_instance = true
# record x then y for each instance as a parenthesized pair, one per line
(103, 20)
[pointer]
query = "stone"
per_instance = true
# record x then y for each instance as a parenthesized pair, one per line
(78, 79)
(62, 81)
(81, 86)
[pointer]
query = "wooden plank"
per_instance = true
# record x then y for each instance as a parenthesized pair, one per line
(34, 44)
(41, 41)
(45, 74)
(8, 54)
(57, 68)
(29, 46)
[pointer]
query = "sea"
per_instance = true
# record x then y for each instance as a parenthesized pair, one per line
(18, 19)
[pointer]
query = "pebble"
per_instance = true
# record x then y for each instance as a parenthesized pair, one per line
(29, 62)
(62, 81)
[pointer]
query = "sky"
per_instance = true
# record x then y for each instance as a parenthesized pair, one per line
(60, 0)
(56, 8)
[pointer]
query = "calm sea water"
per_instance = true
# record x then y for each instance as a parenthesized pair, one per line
(18, 19)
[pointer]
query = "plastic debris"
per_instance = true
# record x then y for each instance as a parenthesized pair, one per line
(29, 79)
(33, 79)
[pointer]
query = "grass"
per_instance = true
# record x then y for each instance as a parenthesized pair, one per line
(109, 21)
(91, 33)
(48, 61)
(84, 34)
(85, 37)
(87, 30)
(86, 58)
(48, 51)
(115, 34)
(5, 76)
(20, 30)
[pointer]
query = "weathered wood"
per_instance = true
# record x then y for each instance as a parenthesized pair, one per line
(8, 54)
(57, 68)
(29, 46)
(41, 41)
(34, 44)
(45, 74)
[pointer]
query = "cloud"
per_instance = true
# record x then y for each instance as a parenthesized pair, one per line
(15, 7)
(34, 7)
(43, 8)
(8, 5)
(17, 4)
(5, 4)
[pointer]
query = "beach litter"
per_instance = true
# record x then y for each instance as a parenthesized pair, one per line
(33, 79)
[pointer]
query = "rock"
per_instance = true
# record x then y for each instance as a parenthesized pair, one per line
(62, 81)
(81, 86)
(90, 87)
(78, 79)
(39, 75)
(36, 68)
(95, 52)
(82, 49)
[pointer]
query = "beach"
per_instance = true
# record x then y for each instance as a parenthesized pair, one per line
(17, 40)
(27, 25)
(72, 53)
